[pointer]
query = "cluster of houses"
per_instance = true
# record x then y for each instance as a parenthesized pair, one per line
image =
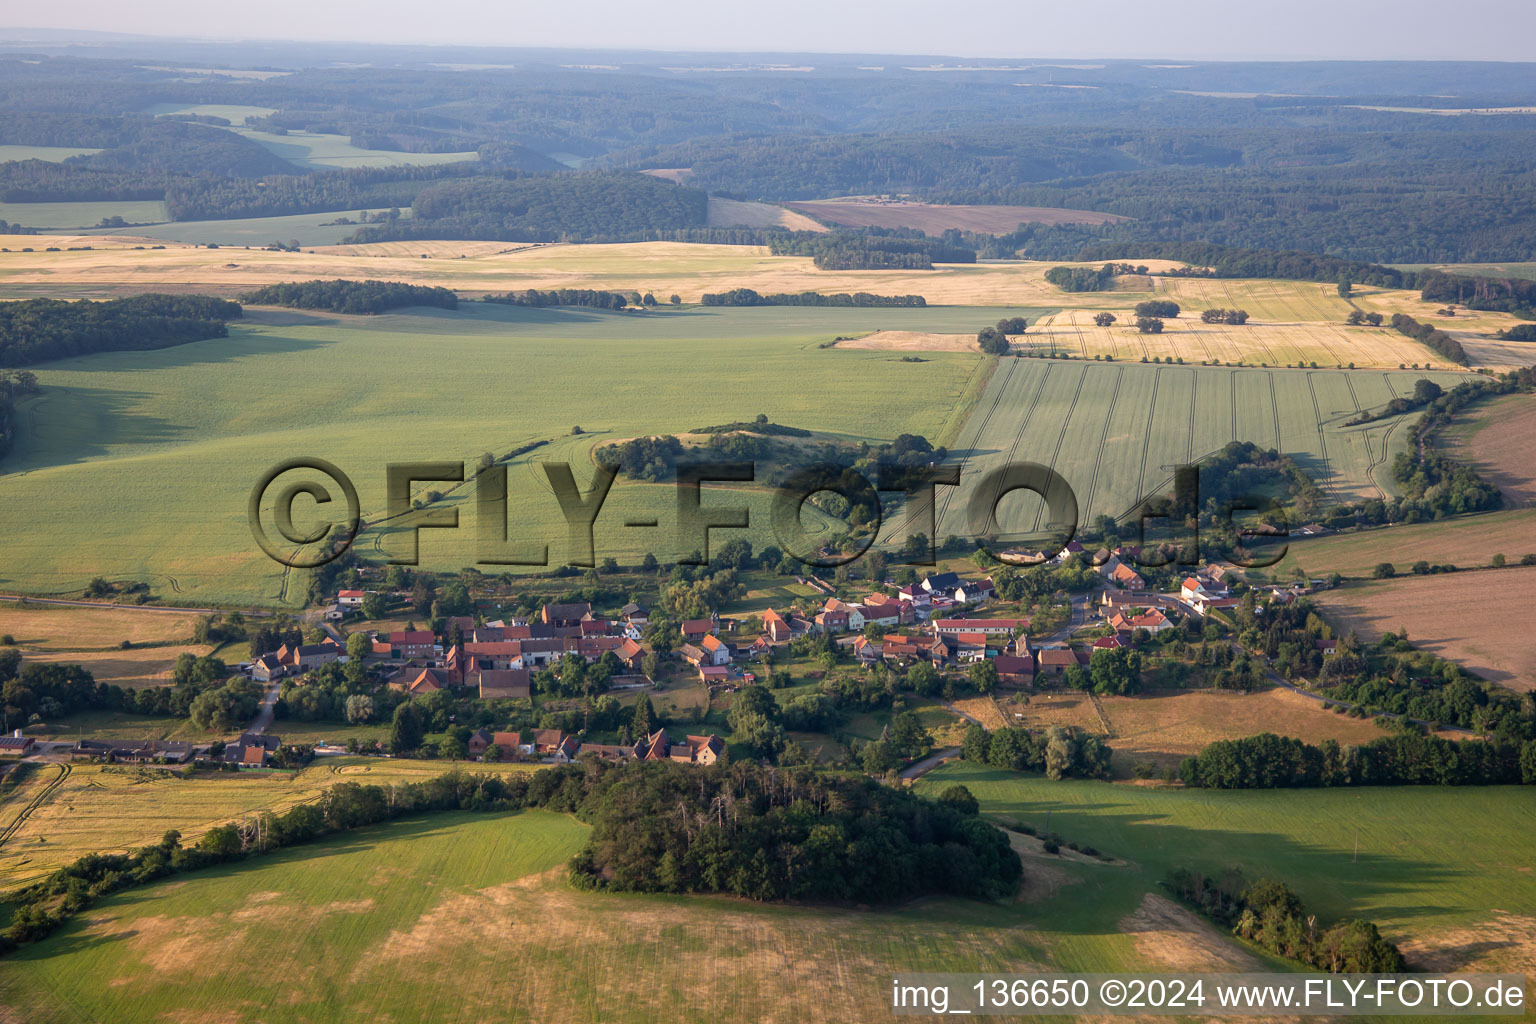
(562, 748)
(251, 750)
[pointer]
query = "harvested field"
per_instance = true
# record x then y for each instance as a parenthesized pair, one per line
(1165, 727)
(934, 219)
(913, 341)
(40, 628)
(1452, 616)
(1174, 938)
(734, 213)
(1499, 440)
(144, 666)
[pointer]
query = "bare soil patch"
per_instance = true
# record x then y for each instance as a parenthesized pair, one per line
(734, 213)
(1506, 943)
(1167, 934)
(1499, 442)
(913, 341)
(1453, 615)
(867, 211)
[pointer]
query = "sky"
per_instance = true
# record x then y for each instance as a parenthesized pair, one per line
(1189, 29)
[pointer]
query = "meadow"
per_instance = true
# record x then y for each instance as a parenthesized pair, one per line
(74, 216)
(139, 465)
(1465, 541)
(304, 228)
(1443, 871)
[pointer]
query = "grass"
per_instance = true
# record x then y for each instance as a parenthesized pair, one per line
(425, 916)
(305, 228)
(1437, 867)
(1465, 541)
(100, 810)
(72, 215)
(113, 434)
(52, 154)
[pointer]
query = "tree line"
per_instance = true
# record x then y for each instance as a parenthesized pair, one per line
(587, 297)
(1059, 752)
(871, 249)
(1430, 336)
(14, 384)
(1086, 279)
(748, 297)
(352, 296)
(1268, 761)
(38, 330)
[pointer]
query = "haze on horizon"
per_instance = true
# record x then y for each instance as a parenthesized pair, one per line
(1134, 29)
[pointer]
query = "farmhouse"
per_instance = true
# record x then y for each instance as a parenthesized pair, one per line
(479, 741)
(135, 752)
(694, 630)
(990, 627)
(267, 668)
(415, 643)
(251, 750)
(1013, 670)
(564, 614)
(16, 745)
(1055, 660)
(775, 628)
(350, 598)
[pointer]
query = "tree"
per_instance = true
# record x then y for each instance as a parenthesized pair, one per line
(924, 679)
(1104, 319)
(10, 663)
(676, 300)
(359, 646)
(374, 606)
(976, 746)
(640, 724)
(406, 730)
(960, 799)
(360, 709)
(983, 676)
(1384, 571)
(649, 563)
(877, 758)
(1149, 325)
(452, 748)
(492, 753)
(992, 341)
(908, 738)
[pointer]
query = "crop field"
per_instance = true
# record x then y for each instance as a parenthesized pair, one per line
(461, 918)
(1166, 726)
(1465, 541)
(1116, 431)
(1444, 871)
(1449, 615)
(935, 219)
(1255, 343)
(234, 113)
(735, 213)
(55, 216)
(99, 808)
(304, 228)
(146, 459)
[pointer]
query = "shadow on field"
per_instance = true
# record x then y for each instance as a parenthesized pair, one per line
(238, 345)
(88, 418)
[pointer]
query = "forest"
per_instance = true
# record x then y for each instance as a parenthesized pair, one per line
(37, 330)
(748, 297)
(351, 296)
(1268, 761)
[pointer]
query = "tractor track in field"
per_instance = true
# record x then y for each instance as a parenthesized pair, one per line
(1146, 441)
(941, 513)
(1226, 291)
(1322, 439)
(36, 802)
(1194, 390)
(1098, 458)
(1274, 408)
(1013, 449)
(1371, 458)
(1322, 339)
(1066, 421)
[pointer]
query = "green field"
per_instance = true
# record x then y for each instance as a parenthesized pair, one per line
(1115, 431)
(52, 154)
(1437, 868)
(139, 464)
(305, 228)
(66, 216)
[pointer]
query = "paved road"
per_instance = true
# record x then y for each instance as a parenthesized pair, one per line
(929, 763)
(1075, 621)
(263, 717)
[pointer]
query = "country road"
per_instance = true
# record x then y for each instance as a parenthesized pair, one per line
(929, 763)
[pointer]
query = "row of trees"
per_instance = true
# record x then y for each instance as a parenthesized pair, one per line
(1431, 336)
(37, 330)
(585, 297)
(1235, 317)
(1270, 914)
(14, 384)
(1268, 761)
(748, 297)
(994, 340)
(1059, 752)
(352, 296)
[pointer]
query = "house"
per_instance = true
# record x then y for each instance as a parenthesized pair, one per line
(350, 599)
(547, 741)
(941, 583)
(970, 646)
(1327, 648)
(715, 650)
(606, 752)
(413, 643)
(991, 627)
(479, 740)
(1053, 661)
(655, 747)
(775, 628)
(420, 680)
(631, 653)
(16, 745)
(1204, 603)
(1153, 621)
(702, 749)
(635, 615)
(901, 649)
(504, 683)
(1194, 587)
(565, 751)
(975, 592)
(692, 654)
(334, 613)
(694, 630)
(508, 742)
(251, 750)
(267, 668)
(1311, 530)
(1108, 643)
(714, 675)
(1013, 670)
(310, 656)
(866, 650)
(832, 620)
(134, 751)
(1126, 578)
(564, 614)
